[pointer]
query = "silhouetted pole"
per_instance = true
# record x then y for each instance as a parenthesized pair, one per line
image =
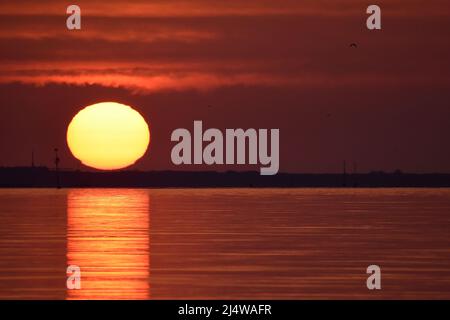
(355, 172)
(32, 158)
(58, 185)
(345, 174)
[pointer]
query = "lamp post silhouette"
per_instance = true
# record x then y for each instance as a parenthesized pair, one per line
(344, 176)
(57, 160)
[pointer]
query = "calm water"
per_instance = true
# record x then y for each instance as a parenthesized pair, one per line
(224, 243)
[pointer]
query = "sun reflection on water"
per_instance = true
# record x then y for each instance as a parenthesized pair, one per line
(108, 238)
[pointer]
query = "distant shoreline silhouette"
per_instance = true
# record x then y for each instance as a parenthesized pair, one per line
(42, 177)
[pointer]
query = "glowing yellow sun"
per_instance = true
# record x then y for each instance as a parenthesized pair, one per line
(108, 136)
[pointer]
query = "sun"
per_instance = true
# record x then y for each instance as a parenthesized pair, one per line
(108, 136)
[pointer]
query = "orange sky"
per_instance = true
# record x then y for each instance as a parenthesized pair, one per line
(266, 63)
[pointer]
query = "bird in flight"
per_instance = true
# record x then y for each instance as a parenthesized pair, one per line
(353, 45)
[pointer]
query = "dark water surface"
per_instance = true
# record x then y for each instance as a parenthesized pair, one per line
(224, 243)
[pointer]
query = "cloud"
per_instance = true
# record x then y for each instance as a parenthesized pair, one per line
(205, 45)
(110, 30)
(202, 8)
(147, 82)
